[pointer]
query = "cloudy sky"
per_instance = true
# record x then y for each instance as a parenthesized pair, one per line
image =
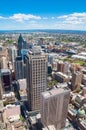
(42, 14)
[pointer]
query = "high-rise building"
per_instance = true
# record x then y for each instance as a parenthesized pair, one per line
(1, 90)
(21, 44)
(36, 69)
(67, 68)
(4, 63)
(6, 79)
(19, 68)
(54, 107)
(76, 80)
(54, 66)
(3, 58)
(12, 53)
(61, 67)
(52, 57)
(23, 53)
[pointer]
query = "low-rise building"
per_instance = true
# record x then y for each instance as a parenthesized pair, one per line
(79, 101)
(11, 114)
(11, 110)
(60, 77)
(9, 98)
(72, 112)
(82, 124)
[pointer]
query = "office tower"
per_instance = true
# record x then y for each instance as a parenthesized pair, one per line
(75, 67)
(21, 44)
(1, 89)
(6, 79)
(54, 66)
(54, 107)
(23, 53)
(4, 63)
(49, 69)
(52, 57)
(4, 52)
(76, 80)
(36, 68)
(12, 51)
(61, 67)
(67, 67)
(19, 68)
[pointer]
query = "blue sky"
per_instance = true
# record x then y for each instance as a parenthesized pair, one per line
(42, 14)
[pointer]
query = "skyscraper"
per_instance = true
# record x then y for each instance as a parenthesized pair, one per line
(61, 67)
(76, 80)
(1, 89)
(54, 107)
(21, 44)
(4, 62)
(6, 79)
(12, 53)
(36, 68)
(19, 68)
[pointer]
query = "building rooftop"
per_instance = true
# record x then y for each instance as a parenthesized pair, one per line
(22, 84)
(50, 127)
(79, 57)
(61, 74)
(54, 92)
(11, 110)
(61, 85)
(83, 123)
(33, 119)
(10, 94)
(82, 53)
(13, 118)
(5, 71)
(36, 50)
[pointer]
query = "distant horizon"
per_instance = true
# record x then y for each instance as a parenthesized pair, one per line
(41, 30)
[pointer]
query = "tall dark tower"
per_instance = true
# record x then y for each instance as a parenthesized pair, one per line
(21, 44)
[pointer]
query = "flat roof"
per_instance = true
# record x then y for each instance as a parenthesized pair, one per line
(5, 70)
(62, 74)
(54, 92)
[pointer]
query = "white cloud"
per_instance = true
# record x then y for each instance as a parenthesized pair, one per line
(75, 18)
(45, 18)
(79, 14)
(52, 17)
(62, 17)
(1, 17)
(32, 21)
(75, 21)
(22, 17)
